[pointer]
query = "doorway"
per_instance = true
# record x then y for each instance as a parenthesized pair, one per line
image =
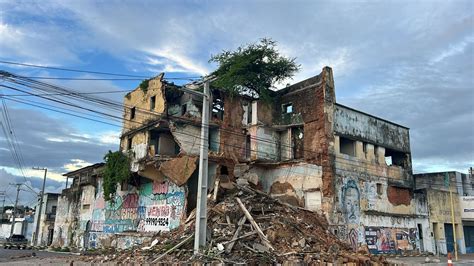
(448, 232)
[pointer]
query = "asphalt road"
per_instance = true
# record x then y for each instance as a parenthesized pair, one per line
(8, 256)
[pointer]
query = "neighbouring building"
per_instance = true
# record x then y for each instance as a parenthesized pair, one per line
(437, 187)
(76, 205)
(23, 226)
(48, 217)
(301, 147)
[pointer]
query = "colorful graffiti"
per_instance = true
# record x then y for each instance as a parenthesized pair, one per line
(156, 206)
(353, 238)
(166, 206)
(351, 202)
(382, 240)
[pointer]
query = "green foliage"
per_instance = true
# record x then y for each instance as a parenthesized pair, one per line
(116, 170)
(144, 85)
(252, 69)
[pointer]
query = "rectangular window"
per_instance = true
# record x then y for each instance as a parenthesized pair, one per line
(288, 108)
(86, 206)
(152, 102)
(396, 158)
(347, 146)
(379, 189)
(132, 113)
(184, 109)
(247, 147)
(129, 144)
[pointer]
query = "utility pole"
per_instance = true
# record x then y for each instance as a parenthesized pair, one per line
(201, 206)
(18, 185)
(38, 221)
(3, 194)
(447, 181)
(201, 202)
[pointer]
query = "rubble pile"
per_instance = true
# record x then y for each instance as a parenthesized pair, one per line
(249, 227)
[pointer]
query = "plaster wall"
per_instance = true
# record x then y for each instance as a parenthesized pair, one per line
(349, 122)
(140, 99)
(440, 214)
(298, 184)
(466, 205)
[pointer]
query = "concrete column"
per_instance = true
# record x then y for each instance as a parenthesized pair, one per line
(380, 154)
(359, 150)
(254, 113)
(337, 145)
(370, 152)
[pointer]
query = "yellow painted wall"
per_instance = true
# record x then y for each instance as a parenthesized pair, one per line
(141, 100)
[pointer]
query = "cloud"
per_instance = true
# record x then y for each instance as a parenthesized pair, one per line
(76, 164)
(54, 142)
(411, 63)
(27, 196)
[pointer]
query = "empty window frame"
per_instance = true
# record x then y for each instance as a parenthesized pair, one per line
(393, 157)
(132, 113)
(152, 102)
(379, 189)
(213, 140)
(247, 146)
(287, 108)
(347, 146)
(297, 134)
(129, 143)
(217, 107)
(184, 109)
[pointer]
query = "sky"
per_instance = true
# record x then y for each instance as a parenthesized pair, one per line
(405, 61)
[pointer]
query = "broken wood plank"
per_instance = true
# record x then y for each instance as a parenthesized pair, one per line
(236, 234)
(262, 236)
(240, 237)
(216, 188)
(186, 240)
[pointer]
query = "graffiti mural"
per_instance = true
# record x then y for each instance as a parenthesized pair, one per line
(382, 240)
(353, 238)
(351, 202)
(165, 206)
(156, 206)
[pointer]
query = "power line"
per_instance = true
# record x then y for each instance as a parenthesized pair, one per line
(49, 94)
(116, 106)
(84, 71)
(113, 79)
(12, 141)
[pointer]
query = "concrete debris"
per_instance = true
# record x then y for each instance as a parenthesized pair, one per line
(179, 169)
(262, 230)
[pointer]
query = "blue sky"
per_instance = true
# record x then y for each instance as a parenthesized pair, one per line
(408, 62)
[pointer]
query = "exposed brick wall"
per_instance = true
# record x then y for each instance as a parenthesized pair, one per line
(232, 139)
(314, 99)
(398, 195)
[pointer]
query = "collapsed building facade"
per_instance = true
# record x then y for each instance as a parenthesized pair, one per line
(302, 148)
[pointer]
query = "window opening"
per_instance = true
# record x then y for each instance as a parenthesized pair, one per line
(132, 113)
(379, 189)
(152, 102)
(347, 146)
(288, 108)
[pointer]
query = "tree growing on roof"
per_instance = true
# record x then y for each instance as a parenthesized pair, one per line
(252, 69)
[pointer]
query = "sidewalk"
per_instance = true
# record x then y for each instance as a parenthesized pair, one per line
(463, 259)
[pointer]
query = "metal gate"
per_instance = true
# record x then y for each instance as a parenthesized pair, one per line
(448, 233)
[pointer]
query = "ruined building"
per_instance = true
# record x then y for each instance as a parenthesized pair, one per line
(302, 147)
